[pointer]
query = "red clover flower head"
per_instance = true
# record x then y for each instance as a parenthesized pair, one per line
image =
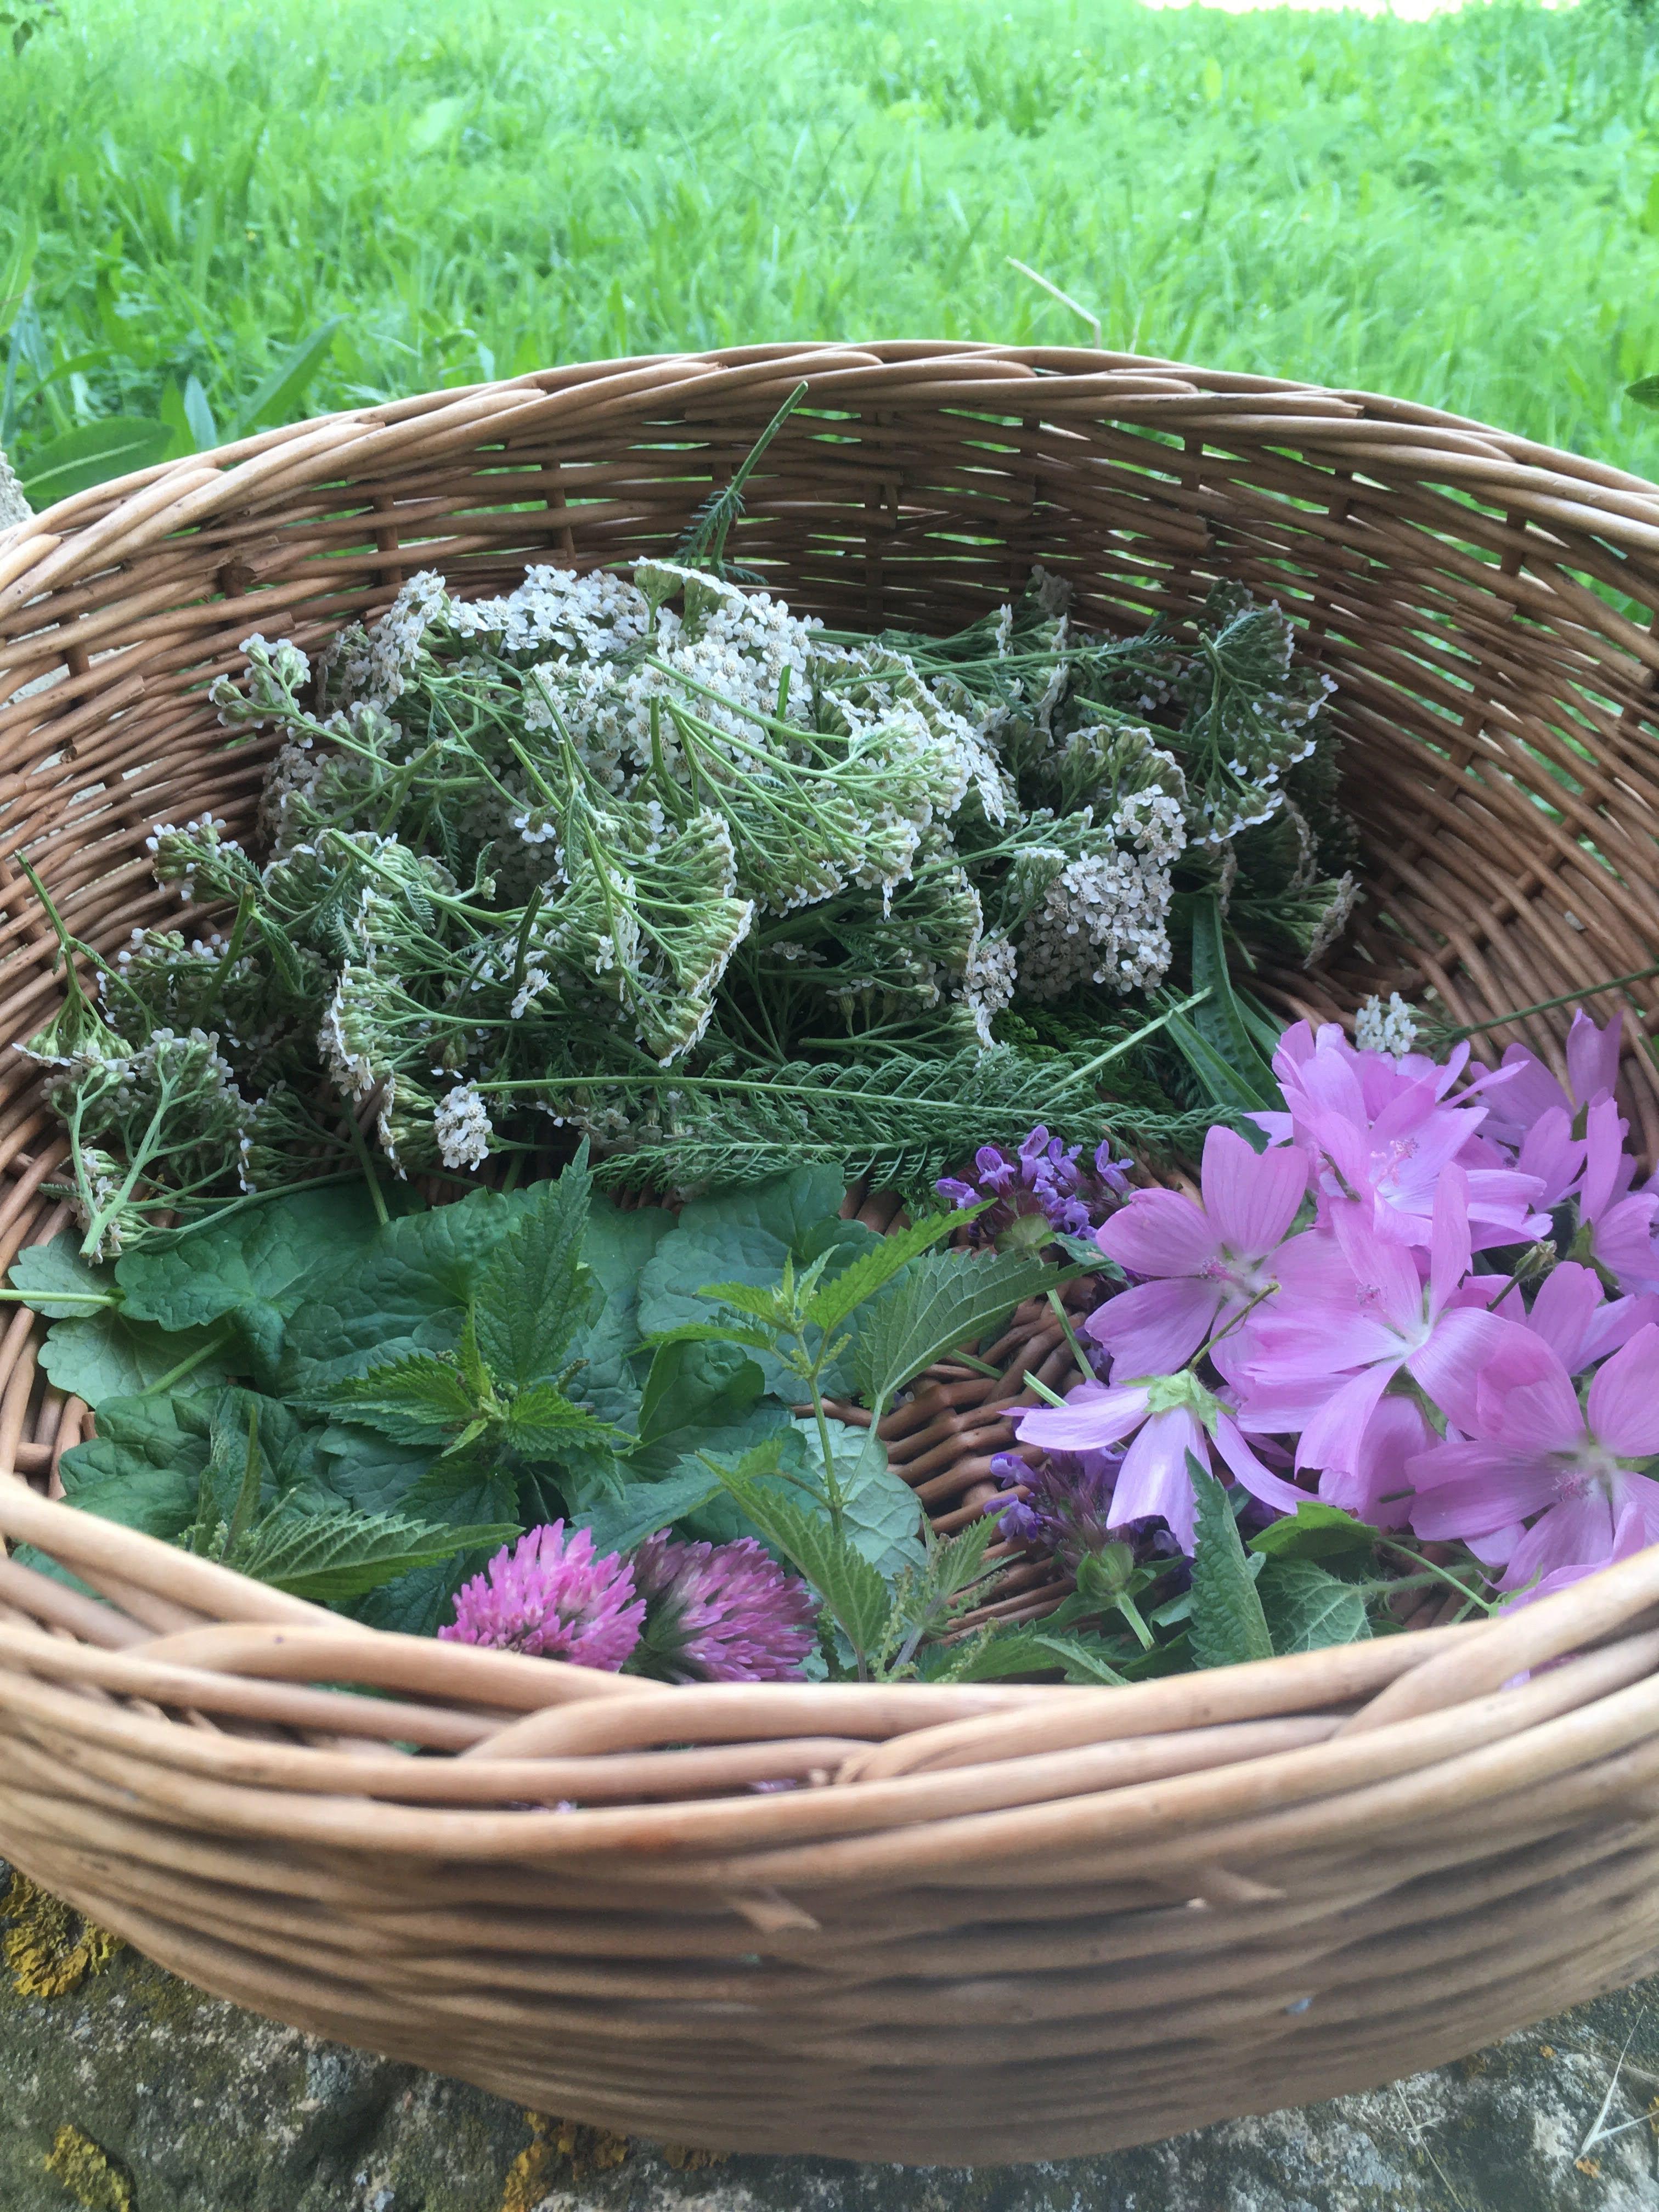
(548, 1596)
(721, 1613)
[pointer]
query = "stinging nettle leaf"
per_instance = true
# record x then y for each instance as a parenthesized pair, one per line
(533, 1291)
(946, 1301)
(833, 1301)
(328, 1557)
(410, 1400)
(849, 1586)
(1228, 1625)
(1307, 1609)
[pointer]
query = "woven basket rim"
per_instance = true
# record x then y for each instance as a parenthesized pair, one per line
(183, 1759)
(79, 535)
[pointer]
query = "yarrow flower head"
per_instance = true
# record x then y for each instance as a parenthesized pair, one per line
(1390, 1028)
(720, 1612)
(462, 1127)
(550, 1597)
(1039, 1192)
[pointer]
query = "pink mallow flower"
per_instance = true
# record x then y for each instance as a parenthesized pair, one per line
(550, 1597)
(720, 1612)
(1529, 1090)
(1384, 1135)
(1169, 1417)
(1615, 1223)
(1531, 1449)
(1354, 1314)
(1207, 1263)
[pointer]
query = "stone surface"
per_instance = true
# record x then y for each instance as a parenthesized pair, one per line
(14, 507)
(198, 2107)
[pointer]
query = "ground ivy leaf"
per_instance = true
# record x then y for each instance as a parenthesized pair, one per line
(254, 1265)
(103, 1356)
(883, 1518)
(744, 1236)
(1306, 1608)
(40, 1270)
(144, 1467)
(618, 1247)
(1228, 1625)
(407, 1292)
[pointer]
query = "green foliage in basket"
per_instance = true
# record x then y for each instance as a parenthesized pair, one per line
(659, 863)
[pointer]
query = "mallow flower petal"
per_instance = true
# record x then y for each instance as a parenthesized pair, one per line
(1155, 1328)
(1153, 1478)
(1593, 1055)
(1094, 1416)
(1158, 1232)
(1251, 1197)
(1624, 1398)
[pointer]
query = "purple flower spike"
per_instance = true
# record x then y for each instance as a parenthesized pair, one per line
(1042, 1193)
(550, 1598)
(721, 1613)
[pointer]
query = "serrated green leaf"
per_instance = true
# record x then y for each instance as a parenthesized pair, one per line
(755, 1301)
(1314, 1531)
(618, 1248)
(694, 1387)
(412, 1400)
(852, 1590)
(1228, 1625)
(883, 1518)
(745, 1237)
(534, 1290)
(408, 1292)
(328, 1557)
(945, 1301)
(144, 1467)
(59, 1284)
(833, 1301)
(542, 1424)
(1307, 1609)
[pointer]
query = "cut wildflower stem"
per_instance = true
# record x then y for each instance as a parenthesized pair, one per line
(1549, 1006)
(1065, 1320)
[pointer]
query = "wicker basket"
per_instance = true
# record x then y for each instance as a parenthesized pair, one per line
(999, 1923)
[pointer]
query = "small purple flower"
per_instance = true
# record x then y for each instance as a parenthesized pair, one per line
(1067, 1509)
(721, 1613)
(549, 1597)
(1040, 1194)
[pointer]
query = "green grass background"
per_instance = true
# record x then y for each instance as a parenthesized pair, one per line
(1466, 210)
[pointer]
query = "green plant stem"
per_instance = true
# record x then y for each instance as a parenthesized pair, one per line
(216, 1344)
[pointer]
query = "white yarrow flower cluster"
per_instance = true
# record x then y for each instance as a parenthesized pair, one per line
(1391, 1028)
(462, 1126)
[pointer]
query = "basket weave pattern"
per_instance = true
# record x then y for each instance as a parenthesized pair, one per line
(990, 1922)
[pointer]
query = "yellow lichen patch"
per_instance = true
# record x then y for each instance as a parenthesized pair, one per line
(693, 2161)
(554, 2145)
(49, 1949)
(92, 2179)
